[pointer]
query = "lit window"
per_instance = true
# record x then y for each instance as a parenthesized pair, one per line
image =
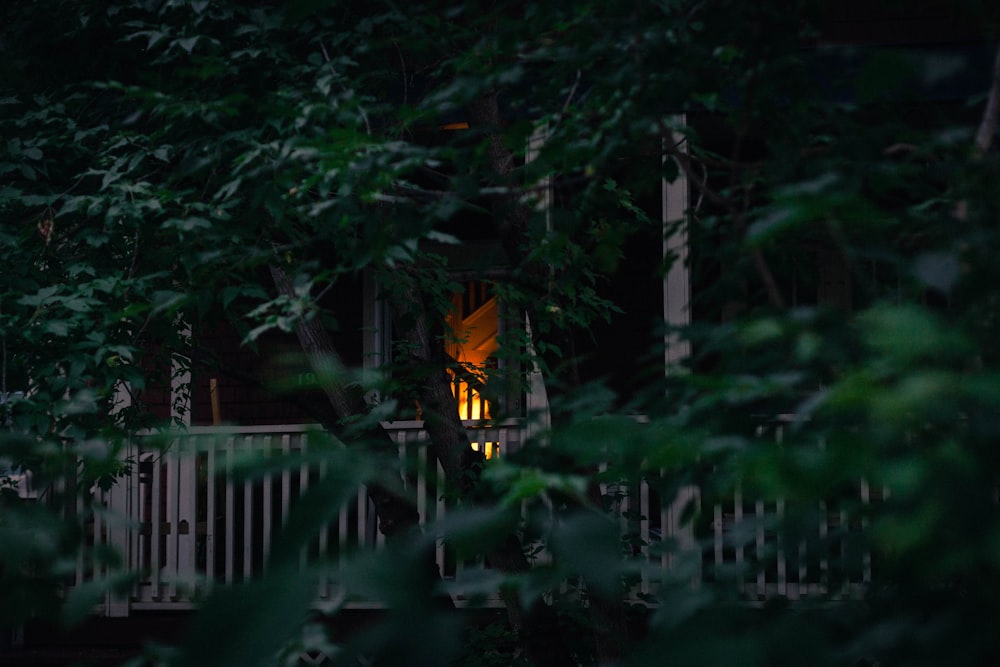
(474, 323)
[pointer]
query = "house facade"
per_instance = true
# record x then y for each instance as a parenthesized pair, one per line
(187, 521)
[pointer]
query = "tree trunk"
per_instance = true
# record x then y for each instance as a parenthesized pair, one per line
(396, 515)
(607, 615)
(542, 303)
(537, 627)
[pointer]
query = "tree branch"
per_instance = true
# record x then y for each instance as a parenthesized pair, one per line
(991, 115)
(684, 162)
(985, 133)
(396, 515)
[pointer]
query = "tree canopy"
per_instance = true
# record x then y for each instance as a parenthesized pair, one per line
(170, 166)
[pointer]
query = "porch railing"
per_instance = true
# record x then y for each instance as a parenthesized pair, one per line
(186, 523)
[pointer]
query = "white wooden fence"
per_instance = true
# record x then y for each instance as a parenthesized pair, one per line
(186, 523)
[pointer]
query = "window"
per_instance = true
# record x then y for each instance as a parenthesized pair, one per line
(474, 324)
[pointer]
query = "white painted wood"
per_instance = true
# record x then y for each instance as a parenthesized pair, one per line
(303, 488)
(343, 536)
(115, 532)
(738, 521)
(247, 537)
(362, 524)
(267, 505)
(175, 484)
(803, 571)
(781, 565)
(824, 562)
(156, 519)
(422, 485)
(668, 525)
(118, 535)
(173, 518)
(373, 526)
(120, 500)
(80, 575)
(866, 557)
(760, 546)
(323, 548)
(536, 399)
(135, 513)
(677, 280)
(186, 526)
(211, 481)
(645, 511)
(286, 478)
(717, 533)
(539, 417)
(230, 516)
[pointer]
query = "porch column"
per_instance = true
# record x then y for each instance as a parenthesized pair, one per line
(677, 313)
(122, 513)
(182, 479)
(677, 280)
(538, 415)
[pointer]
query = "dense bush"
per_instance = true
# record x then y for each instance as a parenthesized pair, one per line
(180, 163)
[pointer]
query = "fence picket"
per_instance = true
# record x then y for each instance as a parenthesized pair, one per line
(195, 520)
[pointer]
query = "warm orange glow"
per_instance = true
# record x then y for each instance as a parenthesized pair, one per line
(474, 324)
(471, 405)
(455, 126)
(492, 449)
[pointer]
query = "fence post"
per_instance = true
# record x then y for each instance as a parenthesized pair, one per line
(119, 531)
(683, 534)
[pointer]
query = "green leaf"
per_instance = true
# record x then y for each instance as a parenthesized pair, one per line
(247, 624)
(187, 224)
(42, 296)
(907, 334)
(317, 507)
(590, 545)
(82, 599)
(58, 328)
(441, 237)
(187, 43)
